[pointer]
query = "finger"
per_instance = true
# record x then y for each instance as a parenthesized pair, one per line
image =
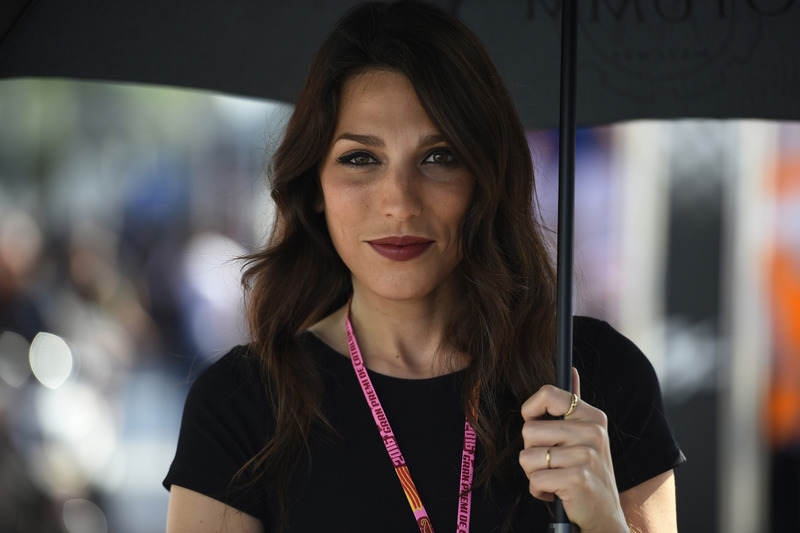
(560, 457)
(552, 471)
(548, 400)
(567, 467)
(590, 431)
(586, 493)
(545, 484)
(533, 459)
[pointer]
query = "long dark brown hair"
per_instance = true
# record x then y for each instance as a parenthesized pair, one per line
(507, 321)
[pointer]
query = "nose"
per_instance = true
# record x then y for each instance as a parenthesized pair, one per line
(401, 195)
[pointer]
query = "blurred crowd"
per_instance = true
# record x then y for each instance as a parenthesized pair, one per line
(122, 213)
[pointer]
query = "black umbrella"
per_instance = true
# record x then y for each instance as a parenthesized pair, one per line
(635, 59)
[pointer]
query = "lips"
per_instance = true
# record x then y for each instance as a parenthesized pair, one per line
(402, 248)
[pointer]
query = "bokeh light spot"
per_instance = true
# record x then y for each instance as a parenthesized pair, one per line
(50, 360)
(82, 516)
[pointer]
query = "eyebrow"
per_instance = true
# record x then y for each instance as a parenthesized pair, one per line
(374, 140)
(369, 140)
(432, 139)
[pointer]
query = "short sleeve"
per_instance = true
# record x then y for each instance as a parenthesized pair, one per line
(225, 424)
(617, 378)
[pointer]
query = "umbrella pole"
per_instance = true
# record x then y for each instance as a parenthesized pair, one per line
(566, 209)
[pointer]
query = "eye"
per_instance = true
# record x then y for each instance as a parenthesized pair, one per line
(441, 156)
(357, 159)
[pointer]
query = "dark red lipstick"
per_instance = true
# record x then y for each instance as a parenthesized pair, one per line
(402, 248)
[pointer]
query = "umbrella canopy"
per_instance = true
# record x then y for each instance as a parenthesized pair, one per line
(636, 58)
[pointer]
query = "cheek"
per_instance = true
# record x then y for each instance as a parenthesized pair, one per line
(454, 198)
(342, 216)
(453, 209)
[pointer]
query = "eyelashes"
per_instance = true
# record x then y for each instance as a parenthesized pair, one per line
(357, 159)
(438, 156)
(441, 156)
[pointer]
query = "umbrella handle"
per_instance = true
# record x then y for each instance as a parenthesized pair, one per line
(566, 209)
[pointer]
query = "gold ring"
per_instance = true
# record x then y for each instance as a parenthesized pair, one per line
(572, 405)
(547, 459)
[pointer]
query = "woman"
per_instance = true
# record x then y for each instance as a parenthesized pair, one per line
(407, 279)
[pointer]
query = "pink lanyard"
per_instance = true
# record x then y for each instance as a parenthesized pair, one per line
(393, 448)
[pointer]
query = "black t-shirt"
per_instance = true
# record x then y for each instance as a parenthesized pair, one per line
(351, 484)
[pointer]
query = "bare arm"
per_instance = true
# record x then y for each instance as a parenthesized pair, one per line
(650, 506)
(190, 511)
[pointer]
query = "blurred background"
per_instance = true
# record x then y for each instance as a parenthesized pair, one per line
(123, 208)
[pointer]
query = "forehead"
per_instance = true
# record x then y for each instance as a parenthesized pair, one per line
(372, 80)
(380, 95)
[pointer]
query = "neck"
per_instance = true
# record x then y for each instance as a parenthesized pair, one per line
(404, 338)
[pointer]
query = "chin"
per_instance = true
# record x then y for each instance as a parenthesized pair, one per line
(406, 290)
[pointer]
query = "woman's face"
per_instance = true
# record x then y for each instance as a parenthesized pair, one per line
(394, 192)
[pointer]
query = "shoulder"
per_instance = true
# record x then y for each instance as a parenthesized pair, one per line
(240, 374)
(598, 337)
(617, 378)
(229, 392)
(606, 357)
(233, 373)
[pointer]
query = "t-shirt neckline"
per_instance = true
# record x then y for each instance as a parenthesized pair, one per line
(339, 358)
